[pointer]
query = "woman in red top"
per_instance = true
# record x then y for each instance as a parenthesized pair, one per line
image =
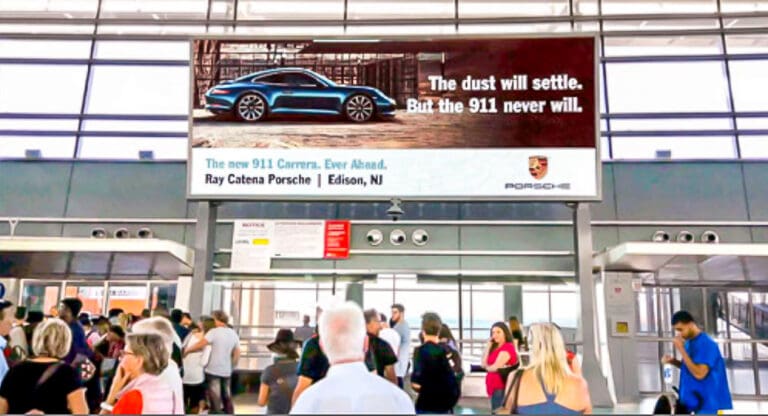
(499, 353)
(138, 388)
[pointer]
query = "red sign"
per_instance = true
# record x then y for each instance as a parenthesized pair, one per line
(337, 234)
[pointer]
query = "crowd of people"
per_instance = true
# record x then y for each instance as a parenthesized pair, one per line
(353, 361)
(154, 363)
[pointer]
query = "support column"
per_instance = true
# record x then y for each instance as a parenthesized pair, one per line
(205, 235)
(513, 302)
(591, 369)
(354, 292)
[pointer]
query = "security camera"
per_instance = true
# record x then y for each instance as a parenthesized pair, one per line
(395, 211)
(375, 237)
(710, 237)
(397, 237)
(685, 237)
(145, 233)
(98, 233)
(661, 236)
(420, 237)
(121, 233)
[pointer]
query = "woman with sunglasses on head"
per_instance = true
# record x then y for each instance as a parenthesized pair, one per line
(138, 388)
(547, 386)
(499, 359)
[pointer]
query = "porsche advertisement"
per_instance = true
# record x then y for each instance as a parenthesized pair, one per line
(446, 118)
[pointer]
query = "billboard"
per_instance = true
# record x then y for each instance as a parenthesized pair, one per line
(371, 119)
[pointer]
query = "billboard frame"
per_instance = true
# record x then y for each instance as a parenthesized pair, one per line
(598, 197)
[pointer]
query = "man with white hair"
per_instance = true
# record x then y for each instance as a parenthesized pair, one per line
(349, 387)
(171, 374)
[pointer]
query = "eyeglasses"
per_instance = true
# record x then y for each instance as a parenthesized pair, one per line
(123, 353)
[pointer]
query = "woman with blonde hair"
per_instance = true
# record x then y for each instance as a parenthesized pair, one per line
(547, 386)
(45, 383)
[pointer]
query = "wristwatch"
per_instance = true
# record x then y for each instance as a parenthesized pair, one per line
(106, 406)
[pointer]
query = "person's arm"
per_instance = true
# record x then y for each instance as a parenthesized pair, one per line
(76, 402)
(698, 370)
(3, 406)
(236, 354)
(389, 373)
(484, 362)
(263, 395)
(667, 359)
(302, 384)
(197, 346)
(576, 366)
(501, 361)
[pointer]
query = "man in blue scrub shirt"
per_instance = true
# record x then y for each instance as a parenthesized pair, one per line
(703, 382)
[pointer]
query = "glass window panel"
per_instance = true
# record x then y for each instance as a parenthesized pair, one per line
(662, 45)
(672, 124)
(640, 25)
(141, 50)
(586, 27)
(154, 9)
(222, 10)
(657, 6)
(50, 147)
(40, 296)
(745, 22)
(136, 125)
(91, 296)
(290, 30)
(604, 150)
(752, 123)
(754, 147)
(400, 9)
(756, 43)
(151, 29)
(163, 296)
(49, 8)
(748, 82)
(139, 90)
(729, 6)
(42, 88)
(37, 124)
(513, 28)
(290, 10)
(401, 30)
(585, 7)
(220, 29)
(535, 307)
(566, 309)
(665, 86)
(681, 147)
(126, 148)
(29, 28)
(131, 299)
(48, 49)
(502, 8)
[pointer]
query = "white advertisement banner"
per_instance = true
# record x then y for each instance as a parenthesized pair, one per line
(416, 173)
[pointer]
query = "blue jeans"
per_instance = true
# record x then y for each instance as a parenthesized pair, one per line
(497, 399)
(219, 394)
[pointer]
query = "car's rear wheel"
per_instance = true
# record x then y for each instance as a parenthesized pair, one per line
(250, 107)
(359, 108)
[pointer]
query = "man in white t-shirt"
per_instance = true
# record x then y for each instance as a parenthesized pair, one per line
(225, 352)
(349, 388)
(389, 335)
(171, 375)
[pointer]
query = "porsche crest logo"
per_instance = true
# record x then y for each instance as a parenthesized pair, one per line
(537, 166)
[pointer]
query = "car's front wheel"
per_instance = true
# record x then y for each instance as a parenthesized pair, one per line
(359, 108)
(250, 107)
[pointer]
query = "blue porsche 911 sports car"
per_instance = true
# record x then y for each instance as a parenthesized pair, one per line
(296, 91)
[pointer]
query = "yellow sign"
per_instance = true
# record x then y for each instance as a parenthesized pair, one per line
(260, 241)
